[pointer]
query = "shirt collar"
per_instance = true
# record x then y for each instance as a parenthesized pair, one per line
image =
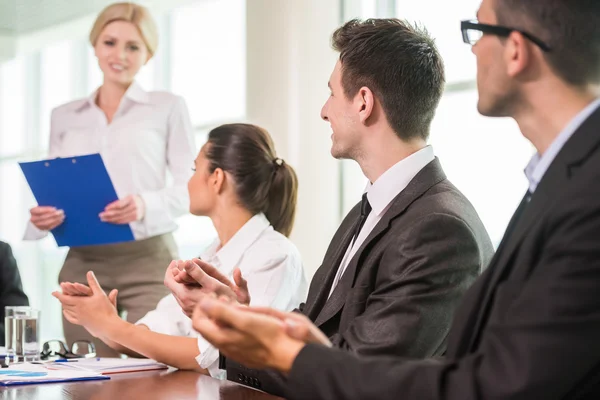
(396, 179)
(135, 93)
(229, 256)
(539, 164)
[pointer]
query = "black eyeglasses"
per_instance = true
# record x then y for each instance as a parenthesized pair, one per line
(58, 349)
(472, 31)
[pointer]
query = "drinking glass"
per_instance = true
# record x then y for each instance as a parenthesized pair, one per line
(21, 333)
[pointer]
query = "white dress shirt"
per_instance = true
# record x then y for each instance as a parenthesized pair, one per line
(539, 164)
(269, 262)
(150, 134)
(380, 195)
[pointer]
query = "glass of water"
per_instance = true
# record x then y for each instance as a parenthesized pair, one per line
(21, 332)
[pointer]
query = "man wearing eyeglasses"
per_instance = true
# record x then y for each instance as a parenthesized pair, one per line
(530, 327)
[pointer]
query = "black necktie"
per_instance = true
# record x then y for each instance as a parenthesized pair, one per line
(365, 209)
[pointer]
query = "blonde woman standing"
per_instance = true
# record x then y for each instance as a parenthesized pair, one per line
(141, 136)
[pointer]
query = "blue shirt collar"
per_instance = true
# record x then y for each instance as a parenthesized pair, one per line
(539, 164)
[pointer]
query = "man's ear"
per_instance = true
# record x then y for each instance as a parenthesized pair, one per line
(365, 101)
(518, 53)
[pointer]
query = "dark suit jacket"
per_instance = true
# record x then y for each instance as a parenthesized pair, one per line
(528, 329)
(400, 290)
(11, 291)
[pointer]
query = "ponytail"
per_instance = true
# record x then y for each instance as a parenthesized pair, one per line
(263, 183)
(281, 201)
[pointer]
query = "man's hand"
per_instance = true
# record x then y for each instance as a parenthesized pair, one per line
(124, 211)
(94, 311)
(297, 326)
(190, 281)
(256, 340)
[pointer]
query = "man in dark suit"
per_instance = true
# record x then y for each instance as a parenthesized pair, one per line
(11, 290)
(530, 327)
(404, 256)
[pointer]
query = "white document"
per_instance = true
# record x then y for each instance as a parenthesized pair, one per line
(24, 373)
(107, 366)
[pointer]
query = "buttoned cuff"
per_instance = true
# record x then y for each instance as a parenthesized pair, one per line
(33, 233)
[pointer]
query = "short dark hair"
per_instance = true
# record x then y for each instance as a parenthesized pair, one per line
(263, 182)
(401, 65)
(570, 28)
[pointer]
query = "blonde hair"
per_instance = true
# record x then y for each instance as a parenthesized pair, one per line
(130, 12)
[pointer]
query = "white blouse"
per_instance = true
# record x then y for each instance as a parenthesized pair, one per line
(150, 136)
(268, 261)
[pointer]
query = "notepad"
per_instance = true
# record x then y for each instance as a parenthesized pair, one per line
(26, 373)
(107, 366)
(82, 188)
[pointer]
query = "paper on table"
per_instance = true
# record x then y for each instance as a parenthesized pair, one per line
(107, 366)
(26, 373)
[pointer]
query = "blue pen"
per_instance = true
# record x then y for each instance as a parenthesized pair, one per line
(65, 360)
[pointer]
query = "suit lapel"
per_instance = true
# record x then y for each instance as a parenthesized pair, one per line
(324, 278)
(429, 176)
(493, 272)
(554, 182)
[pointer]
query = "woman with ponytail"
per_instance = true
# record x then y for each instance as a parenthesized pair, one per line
(250, 195)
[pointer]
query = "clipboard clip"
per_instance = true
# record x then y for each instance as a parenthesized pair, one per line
(47, 163)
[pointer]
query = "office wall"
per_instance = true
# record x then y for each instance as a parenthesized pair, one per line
(289, 60)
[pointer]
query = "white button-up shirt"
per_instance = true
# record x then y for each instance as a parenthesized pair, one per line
(150, 135)
(269, 262)
(380, 195)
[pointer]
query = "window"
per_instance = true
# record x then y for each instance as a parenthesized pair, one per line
(12, 101)
(208, 69)
(209, 59)
(56, 85)
(30, 82)
(444, 26)
(483, 157)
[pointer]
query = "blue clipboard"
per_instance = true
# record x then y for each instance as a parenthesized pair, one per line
(82, 188)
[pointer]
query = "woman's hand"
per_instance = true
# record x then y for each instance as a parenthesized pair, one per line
(124, 211)
(192, 280)
(46, 218)
(76, 289)
(95, 312)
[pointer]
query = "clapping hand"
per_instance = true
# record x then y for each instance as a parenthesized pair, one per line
(88, 305)
(192, 280)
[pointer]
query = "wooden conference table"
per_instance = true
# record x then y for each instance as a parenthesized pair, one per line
(139, 385)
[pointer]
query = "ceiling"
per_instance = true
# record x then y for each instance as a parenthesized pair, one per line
(24, 16)
(21, 17)
(28, 25)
